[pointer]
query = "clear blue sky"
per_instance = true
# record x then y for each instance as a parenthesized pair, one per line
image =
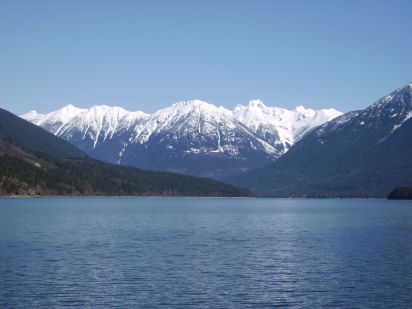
(144, 55)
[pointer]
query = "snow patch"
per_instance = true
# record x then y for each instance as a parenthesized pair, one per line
(397, 126)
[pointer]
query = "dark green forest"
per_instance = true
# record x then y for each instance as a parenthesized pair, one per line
(401, 193)
(45, 175)
(35, 162)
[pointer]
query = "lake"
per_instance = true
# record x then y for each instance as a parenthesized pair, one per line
(205, 252)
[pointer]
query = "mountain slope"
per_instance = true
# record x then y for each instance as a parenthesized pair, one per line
(28, 166)
(192, 137)
(43, 175)
(33, 138)
(279, 126)
(361, 153)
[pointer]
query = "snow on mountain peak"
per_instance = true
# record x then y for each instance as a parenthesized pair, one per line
(70, 108)
(192, 108)
(30, 115)
(195, 102)
(289, 125)
(190, 105)
(256, 104)
(62, 115)
(101, 111)
(68, 111)
(276, 129)
(401, 96)
(302, 110)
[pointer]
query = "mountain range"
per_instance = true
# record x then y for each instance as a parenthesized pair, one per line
(191, 137)
(272, 151)
(363, 153)
(35, 162)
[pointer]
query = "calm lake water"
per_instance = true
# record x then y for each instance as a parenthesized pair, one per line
(188, 252)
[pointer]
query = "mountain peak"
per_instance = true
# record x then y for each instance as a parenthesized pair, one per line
(30, 115)
(194, 105)
(195, 102)
(70, 108)
(105, 108)
(400, 97)
(301, 109)
(407, 88)
(256, 103)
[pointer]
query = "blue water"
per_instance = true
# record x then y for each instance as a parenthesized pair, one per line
(187, 252)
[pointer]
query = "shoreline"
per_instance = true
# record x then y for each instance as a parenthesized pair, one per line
(190, 196)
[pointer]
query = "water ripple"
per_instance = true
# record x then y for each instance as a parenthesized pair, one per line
(204, 253)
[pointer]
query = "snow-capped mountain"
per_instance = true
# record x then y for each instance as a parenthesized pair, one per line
(360, 153)
(279, 126)
(377, 122)
(192, 137)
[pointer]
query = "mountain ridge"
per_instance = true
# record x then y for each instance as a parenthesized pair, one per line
(192, 137)
(35, 162)
(34, 138)
(363, 153)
